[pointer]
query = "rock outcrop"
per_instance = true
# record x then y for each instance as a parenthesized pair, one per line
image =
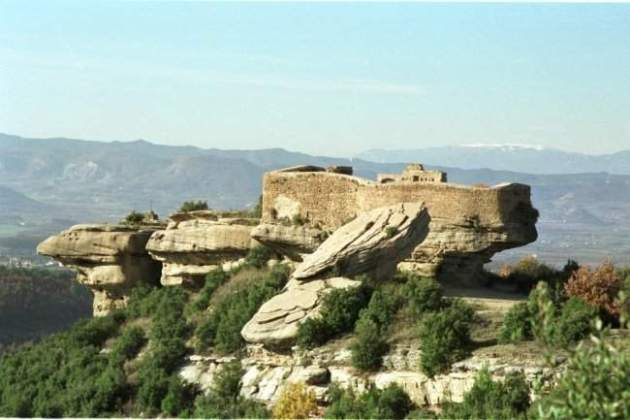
(371, 244)
(293, 241)
(109, 259)
(469, 224)
(194, 243)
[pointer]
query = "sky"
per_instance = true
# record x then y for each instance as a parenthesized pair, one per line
(322, 78)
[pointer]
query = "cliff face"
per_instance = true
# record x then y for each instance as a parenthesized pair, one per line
(469, 224)
(109, 259)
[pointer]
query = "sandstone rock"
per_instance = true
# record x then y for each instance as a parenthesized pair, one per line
(372, 243)
(277, 320)
(192, 246)
(109, 259)
(469, 224)
(289, 240)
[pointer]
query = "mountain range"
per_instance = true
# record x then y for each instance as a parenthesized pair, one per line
(46, 184)
(518, 158)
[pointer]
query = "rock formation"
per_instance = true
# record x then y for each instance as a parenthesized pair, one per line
(371, 244)
(196, 242)
(109, 259)
(469, 224)
(293, 241)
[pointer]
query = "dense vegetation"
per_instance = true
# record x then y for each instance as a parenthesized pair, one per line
(35, 302)
(126, 364)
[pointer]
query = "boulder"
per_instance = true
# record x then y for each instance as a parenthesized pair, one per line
(277, 321)
(373, 243)
(109, 259)
(290, 240)
(191, 246)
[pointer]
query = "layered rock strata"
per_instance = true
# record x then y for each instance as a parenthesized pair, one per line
(195, 243)
(109, 259)
(469, 224)
(371, 244)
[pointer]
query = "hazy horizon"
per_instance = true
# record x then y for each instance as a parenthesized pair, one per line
(324, 79)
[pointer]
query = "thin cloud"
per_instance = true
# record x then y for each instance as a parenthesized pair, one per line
(335, 86)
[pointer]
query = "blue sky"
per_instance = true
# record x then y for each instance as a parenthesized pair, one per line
(331, 79)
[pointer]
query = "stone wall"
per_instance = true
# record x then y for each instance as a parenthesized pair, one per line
(468, 223)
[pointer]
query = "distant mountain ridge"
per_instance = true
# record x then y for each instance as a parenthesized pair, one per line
(86, 181)
(510, 157)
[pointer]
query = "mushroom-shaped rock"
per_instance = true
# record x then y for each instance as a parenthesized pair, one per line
(289, 240)
(191, 246)
(109, 259)
(372, 243)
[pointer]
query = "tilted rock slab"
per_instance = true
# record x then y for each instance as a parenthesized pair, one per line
(371, 244)
(109, 259)
(193, 245)
(292, 241)
(277, 321)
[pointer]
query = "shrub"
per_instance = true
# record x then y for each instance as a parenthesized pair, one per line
(134, 218)
(597, 287)
(390, 231)
(529, 271)
(389, 403)
(258, 256)
(188, 206)
(222, 328)
(370, 344)
(213, 280)
(445, 336)
(574, 322)
(596, 384)
(224, 400)
(488, 399)
(517, 325)
(295, 402)
(558, 325)
(339, 311)
(423, 294)
(129, 343)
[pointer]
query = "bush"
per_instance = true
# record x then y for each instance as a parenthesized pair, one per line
(222, 328)
(224, 400)
(129, 343)
(558, 325)
(598, 287)
(517, 325)
(258, 256)
(389, 403)
(574, 322)
(213, 280)
(445, 337)
(339, 311)
(423, 294)
(295, 402)
(134, 218)
(596, 384)
(371, 328)
(488, 399)
(369, 346)
(188, 206)
(529, 271)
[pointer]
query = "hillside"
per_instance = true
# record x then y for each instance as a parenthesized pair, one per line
(179, 353)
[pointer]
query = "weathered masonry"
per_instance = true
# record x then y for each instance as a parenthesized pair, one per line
(469, 224)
